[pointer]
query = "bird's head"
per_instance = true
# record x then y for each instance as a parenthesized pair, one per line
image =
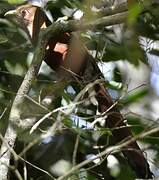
(30, 18)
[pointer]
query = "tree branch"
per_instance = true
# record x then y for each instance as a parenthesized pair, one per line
(115, 9)
(15, 113)
(108, 151)
(15, 121)
(74, 25)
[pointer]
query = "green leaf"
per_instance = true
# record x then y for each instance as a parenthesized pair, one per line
(14, 69)
(115, 85)
(134, 11)
(134, 97)
(129, 50)
(137, 126)
(3, 39)
(16, 1)
(68, 122)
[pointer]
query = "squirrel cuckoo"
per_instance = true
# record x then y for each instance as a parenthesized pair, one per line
(67, 54)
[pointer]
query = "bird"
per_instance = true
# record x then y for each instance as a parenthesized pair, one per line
(68, 57)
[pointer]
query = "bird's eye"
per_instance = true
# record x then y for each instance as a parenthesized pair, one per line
(24, 12)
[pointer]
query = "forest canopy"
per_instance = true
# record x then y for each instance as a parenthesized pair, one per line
(79, 86)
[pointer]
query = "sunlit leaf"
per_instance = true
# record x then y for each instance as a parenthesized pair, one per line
(16, 1)
(134, 11)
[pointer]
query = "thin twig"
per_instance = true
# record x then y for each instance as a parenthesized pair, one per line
(75, 150)
(63, 109)
(11, 133)
(15, 114)
(36, 167)
(109, 150)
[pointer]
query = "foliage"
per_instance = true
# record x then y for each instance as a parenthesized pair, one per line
(74, 138)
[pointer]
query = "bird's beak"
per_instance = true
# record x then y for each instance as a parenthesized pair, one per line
(10, 13)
